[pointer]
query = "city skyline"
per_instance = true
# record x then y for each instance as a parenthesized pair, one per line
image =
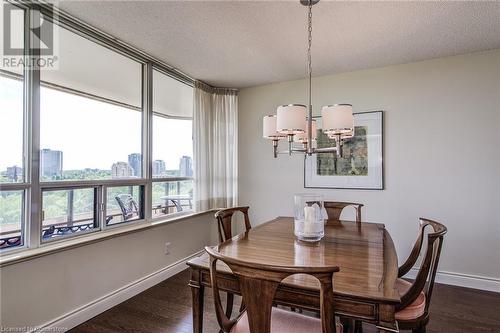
(119, 169)
(87, 144)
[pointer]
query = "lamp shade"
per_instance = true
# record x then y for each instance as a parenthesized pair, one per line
(337, 119)
(269, 128)
(290, 119)
(303, 137)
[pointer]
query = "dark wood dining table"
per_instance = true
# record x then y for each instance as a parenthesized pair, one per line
(364, 288)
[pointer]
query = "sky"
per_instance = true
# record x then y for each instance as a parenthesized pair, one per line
(91, 134)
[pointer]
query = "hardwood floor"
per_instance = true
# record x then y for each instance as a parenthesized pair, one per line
(166, 308)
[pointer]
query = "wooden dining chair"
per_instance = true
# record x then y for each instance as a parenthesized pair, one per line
(224, 219)
(413, 311)
(334, 210)
(258, 285)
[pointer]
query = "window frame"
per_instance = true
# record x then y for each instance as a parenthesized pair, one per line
(104, 207)
(167, 180)
(96, 214)
(33, 187)
(151, 177)
(24, 209)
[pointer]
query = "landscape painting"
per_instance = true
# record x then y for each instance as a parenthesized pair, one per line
(354, 160)
(361, 163)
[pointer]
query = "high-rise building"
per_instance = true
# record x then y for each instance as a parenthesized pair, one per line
(51, 162)
(186, 166)
(121, 170)
(135, 162)
(14, 173)
(158, 167)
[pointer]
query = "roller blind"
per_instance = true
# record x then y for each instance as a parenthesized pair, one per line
(91, 68)
(171, 97)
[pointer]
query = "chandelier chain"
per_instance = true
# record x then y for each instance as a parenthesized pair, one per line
(309, 45)
(309, 40)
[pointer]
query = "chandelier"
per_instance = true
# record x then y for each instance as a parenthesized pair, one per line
(295, 122)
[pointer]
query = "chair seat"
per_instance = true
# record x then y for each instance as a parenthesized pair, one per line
(415, 309)
(284, 322)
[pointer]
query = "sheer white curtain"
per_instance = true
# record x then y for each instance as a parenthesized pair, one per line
(215, 136)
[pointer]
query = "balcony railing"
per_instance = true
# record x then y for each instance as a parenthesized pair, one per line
(170, 198)
(10, 242)
(13, 238)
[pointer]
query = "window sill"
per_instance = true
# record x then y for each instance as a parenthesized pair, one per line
(67, 244)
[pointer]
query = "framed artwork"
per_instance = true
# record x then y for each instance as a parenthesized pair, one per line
(360, 167)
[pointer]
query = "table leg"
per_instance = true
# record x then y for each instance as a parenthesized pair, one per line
(198, 294)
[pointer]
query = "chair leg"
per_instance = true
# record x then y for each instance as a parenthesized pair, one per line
(229, 304)
(346, 322)
(358, 326)
(419, 330)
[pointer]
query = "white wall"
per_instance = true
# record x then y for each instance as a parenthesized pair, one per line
(442, 153)
(40, 290)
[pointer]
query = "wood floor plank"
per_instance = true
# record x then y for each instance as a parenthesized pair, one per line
(166, 308)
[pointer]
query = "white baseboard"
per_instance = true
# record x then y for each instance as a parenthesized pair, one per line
(463, 280)
(92, 309)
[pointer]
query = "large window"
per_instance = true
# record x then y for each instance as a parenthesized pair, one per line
(172, 164)
(14, 185)
(76, 140)
(93, 101)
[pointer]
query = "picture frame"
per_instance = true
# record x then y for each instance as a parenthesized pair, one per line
(361, 167)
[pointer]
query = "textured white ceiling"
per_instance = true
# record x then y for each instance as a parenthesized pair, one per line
(246, 43)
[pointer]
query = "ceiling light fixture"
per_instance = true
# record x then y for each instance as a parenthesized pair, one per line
(295, 121)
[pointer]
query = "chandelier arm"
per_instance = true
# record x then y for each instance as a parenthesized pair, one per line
(325, 150)
(290, 152)
(303, 150)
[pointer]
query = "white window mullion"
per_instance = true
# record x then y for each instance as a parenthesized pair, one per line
(32, 131)
(147, 136)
